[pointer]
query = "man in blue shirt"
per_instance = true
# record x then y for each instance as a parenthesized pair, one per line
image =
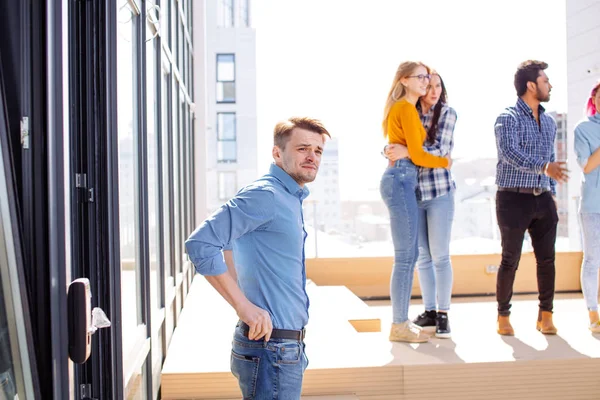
(264, 226)
(526, 175)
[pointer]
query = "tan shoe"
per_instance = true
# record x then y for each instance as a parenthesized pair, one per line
(545, 324)
(504, 326)
(408, 332)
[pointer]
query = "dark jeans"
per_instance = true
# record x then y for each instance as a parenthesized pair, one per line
(517, 213)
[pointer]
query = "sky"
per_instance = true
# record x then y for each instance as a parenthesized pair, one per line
(335, 60)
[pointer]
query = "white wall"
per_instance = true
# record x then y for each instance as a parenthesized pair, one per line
(583, 70)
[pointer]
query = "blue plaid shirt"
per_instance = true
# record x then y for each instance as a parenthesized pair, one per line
(524, 147)
(436, 182)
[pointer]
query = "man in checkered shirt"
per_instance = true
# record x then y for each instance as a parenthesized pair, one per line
(526, 175)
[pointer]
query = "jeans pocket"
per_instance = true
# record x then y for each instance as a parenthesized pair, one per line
(386, 187)
(288, 353)
(245, 369)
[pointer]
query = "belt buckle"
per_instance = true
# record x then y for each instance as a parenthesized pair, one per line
(302, 334)
(537, 191)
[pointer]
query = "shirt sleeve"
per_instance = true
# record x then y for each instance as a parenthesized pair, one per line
(583, 149)
(444, 139)
(408, 118)
(506, 129)
(247, 211)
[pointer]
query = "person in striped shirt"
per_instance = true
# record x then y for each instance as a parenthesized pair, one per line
(435, 195)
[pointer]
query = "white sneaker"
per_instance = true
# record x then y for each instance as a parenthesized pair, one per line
(408, 332)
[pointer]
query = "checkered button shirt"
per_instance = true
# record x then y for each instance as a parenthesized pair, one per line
(436, 182)
(524, 147)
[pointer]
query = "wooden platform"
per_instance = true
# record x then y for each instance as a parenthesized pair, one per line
(475, 364)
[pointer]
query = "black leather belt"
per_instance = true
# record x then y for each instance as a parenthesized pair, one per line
(278, 333)
(533, 191)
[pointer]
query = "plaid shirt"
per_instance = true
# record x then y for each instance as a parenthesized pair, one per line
(436, 182)
(524, 147)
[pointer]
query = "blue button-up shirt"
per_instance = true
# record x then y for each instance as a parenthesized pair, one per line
(587, 141)
(264, 223)
(524, 147)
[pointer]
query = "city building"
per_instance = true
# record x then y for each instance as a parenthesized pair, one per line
(562, 189)
(230, 65)
(322, 209)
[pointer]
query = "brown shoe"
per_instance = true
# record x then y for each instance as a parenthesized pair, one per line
(504, 326)
(544, 323)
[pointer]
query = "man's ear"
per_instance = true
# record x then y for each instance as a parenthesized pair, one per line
(276, 153)
(531, 86)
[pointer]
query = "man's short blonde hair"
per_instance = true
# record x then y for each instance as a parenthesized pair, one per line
(283, 129)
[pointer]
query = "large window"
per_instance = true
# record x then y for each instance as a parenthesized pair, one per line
(226, 138)
(225, 14)
(225, 78)
(244, 12)
(128, 136)
(227, 185)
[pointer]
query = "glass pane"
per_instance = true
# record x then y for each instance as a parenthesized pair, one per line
(185, 188)
(166, 174)
(225, 13)
(128, 207)
(174, 31)
(227, 185)
(244, 12)
(225, 67)
(227, 151)
(177, 244)
(153, 189)
(226, 91)
(165, 9)
(136, 390)
(226, 126)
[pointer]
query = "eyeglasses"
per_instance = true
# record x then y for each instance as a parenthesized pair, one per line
(421, 77)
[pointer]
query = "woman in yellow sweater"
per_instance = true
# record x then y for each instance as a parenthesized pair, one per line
(401, 124)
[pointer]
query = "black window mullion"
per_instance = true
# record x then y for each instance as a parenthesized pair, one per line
(141, 163)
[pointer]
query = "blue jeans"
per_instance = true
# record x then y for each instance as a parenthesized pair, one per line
(590, 228)
(397, 187)
(7, 385)
(435, 270)
(268, 370)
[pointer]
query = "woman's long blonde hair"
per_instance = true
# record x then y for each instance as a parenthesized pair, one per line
(398, 91)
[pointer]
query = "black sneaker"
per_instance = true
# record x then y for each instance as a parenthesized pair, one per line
(426, 320)
(442, 327)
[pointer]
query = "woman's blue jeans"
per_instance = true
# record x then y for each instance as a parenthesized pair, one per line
(433, 264)
(397, 187)
(590, 227)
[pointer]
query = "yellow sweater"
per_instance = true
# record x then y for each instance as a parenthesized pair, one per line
(404, 127)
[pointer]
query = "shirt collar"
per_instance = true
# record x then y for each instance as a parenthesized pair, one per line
(288, 182)
(595, 118)
(524, 107)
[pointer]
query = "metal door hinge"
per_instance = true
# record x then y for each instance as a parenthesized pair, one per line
(81, 183)
(25, 132)
(85, 392)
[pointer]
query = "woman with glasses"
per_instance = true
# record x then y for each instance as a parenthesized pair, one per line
(435, 196)
(401, 125)
(587, 148)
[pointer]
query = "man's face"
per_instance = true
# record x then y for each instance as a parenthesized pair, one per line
(302, 155)
(543, 87)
